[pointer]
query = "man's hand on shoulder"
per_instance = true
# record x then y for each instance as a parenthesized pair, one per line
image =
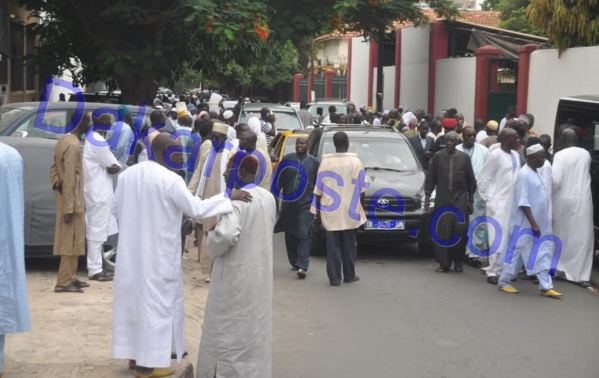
(115, 168)
(241, 195)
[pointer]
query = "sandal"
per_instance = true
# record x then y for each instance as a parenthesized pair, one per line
(156, 372)
(71, 288)
(80, 284)
(102, 277)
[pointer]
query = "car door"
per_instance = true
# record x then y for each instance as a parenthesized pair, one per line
(36, 147)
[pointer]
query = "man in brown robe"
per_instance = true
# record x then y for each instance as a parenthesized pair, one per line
(66, 176)
(452, 175)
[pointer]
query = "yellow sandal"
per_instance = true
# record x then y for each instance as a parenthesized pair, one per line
(156, 372)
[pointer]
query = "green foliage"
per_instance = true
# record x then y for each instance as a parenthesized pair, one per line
(488, 5)
(513, 15)
(139, 43)
(273, 62)
(370, 17)
(568, 23)
(188, 78)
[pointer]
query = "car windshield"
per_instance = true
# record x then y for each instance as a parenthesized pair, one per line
(379, 153)
(8, 116)
(284, 120)
(341, 109)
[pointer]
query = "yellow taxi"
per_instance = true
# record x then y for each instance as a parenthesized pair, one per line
(283, 144)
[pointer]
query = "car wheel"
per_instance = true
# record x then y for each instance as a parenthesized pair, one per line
(319, 245)
(109, 257)
(426, 248)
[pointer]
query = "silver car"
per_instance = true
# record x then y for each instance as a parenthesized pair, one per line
(20, 128)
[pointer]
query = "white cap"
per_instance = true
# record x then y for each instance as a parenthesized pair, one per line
(534, 149)
(227, 114)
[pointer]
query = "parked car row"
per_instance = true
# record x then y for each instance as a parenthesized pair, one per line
(21, 128)
(386, 154)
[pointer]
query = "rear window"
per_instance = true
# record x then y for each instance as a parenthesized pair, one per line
(584, 119)
(341, 109)
(284, 120)
(8, 116)
(389, 153)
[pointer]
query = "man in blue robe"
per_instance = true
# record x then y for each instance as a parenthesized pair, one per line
(13, 293)
(532, 242)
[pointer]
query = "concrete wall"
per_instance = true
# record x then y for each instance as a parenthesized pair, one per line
(388, 87)
(455, 86)
(575, 73)
(334, 51)
(359, 71)
(414, 68)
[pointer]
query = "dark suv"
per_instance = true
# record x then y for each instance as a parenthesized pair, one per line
(394, 202)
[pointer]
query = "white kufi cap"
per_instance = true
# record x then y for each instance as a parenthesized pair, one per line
(534, 149)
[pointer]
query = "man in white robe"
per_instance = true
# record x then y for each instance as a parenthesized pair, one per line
(98, 166)
(14, 310)
(495, 185)
(149, 203)
(532, 242)
(573, 209)
(237, 333)
(478, 157)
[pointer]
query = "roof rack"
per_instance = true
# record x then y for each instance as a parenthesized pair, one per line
(335, 125)
(331, 99)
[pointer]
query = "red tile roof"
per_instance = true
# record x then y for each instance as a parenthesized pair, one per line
(485, 18)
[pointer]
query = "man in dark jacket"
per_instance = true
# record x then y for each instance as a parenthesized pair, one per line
(423, 145)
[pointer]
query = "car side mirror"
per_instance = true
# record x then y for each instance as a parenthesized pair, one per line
(19, 134)
(274, 159)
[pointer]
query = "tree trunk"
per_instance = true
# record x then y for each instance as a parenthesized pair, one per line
(138, 88)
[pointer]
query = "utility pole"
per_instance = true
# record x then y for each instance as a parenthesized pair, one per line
(379, 69)
(311, 87)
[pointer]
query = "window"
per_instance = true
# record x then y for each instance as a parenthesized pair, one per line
(55, 118)
(388, 153)
(273, 144)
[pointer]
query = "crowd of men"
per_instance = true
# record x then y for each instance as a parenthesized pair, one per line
(530, 198)
(141, 189)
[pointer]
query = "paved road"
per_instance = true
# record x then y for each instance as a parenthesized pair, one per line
(404, 320)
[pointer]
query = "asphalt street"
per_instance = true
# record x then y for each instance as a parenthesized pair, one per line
(404, 320)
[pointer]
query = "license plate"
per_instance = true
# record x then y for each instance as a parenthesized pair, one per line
(385, 225)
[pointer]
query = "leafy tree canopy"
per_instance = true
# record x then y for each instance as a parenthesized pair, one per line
(568, 23)
(138, 43)
(513, 15)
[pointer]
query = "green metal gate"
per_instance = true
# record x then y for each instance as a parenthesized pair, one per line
(503, 87)
(303, 84)
(319, 90)
(340, 87)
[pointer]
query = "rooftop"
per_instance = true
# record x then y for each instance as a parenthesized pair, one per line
(484, 18)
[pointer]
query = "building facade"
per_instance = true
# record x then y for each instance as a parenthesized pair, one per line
(19, 79)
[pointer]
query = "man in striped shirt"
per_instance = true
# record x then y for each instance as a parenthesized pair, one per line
(267, 124)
